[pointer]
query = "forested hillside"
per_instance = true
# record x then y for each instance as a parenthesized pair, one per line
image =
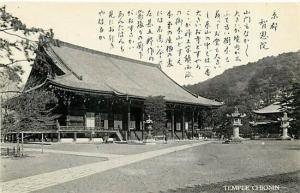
(250, 87)
(254, 83)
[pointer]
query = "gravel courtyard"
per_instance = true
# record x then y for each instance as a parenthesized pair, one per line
(205, 168)
(37, 163)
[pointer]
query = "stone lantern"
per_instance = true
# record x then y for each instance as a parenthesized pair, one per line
(148, 126)
(237, 123)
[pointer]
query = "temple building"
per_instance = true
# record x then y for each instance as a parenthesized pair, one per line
(103, 94)
(267, 121)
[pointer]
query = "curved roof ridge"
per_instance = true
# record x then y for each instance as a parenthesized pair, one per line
(59, 60)
(74, 46)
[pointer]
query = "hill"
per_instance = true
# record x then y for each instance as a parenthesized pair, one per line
(260, 81)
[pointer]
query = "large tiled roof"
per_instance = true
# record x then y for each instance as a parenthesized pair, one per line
(91, 70)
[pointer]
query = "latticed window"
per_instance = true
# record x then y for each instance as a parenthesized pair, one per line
(90, 119)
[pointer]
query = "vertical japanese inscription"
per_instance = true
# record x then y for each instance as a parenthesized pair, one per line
(190, 39)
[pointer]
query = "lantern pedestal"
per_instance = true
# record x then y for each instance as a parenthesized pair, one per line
(236, 132)
(149, 140)
(285, 135)
(285, 124)
(236, 135)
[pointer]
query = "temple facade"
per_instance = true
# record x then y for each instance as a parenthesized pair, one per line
(102, 95)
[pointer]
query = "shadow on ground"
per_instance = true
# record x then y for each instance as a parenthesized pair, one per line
(287, 182)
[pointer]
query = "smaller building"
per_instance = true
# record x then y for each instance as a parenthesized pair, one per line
(267, 123)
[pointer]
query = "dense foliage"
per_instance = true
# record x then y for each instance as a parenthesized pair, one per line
(155, 106)
(30, 111)
(291, 103)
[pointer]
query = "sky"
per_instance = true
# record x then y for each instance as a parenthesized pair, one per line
(77, 23)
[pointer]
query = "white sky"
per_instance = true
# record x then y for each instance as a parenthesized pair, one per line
(77, 23)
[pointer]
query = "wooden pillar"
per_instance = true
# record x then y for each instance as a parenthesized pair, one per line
(91, 135)
(84, 113)
(173, 124)
(111, 117)
(193, 117)
(128, 120)
(68, 112)
(197, 119)
(143, 124)
(58, 129)
(75, 136)
(58, 136)
(100, 121)
(67, 121)
(183, 125)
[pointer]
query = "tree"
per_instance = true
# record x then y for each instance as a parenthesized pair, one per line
(30, 111)
(155, 106)
(291, 104)
(221, 121)
(18, 43)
